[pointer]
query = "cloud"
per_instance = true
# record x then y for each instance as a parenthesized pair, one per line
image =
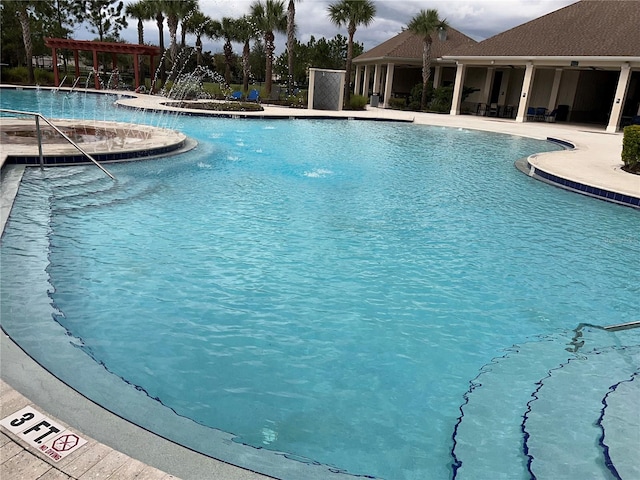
(478, 19)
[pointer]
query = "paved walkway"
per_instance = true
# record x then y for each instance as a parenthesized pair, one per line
(595, 161)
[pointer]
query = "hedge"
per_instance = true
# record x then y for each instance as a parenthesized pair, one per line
(631, 148)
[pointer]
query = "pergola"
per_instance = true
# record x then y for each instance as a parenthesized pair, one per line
(100, 47)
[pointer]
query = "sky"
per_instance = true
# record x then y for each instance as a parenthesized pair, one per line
(479, 19)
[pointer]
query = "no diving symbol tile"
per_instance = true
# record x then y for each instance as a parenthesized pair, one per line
(41, 432)
(61, 446)
(65, 442)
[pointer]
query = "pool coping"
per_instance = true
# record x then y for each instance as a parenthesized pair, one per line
(595, 156)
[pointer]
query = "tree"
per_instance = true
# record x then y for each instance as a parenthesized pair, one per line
(32, 16)
(105, 17)
(141, 11)
(200, 24)
(228, 32)
(63, 23)
(291, 37)
(12, 51)
(25, 25)
(351, 13)
(175, 11)
(269, 17)
(425, 24)
(157, 13)
(257, 60)
(245, 32)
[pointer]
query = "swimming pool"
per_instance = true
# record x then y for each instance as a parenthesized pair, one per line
(331, 290)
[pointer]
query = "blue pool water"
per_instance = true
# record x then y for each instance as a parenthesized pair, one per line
(325, 289)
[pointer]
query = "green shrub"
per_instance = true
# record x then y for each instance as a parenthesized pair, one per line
(631, 148)
(17, 75)
(218, 106)
(442, 99)
(397, 103)
(44, 77)
(358, 102)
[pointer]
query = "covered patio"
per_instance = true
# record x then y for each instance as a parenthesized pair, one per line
(113, 48)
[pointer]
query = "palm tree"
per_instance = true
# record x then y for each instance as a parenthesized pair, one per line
(351, 13)
(425, 24)
(175, 11)
(228, 32)
(291, 31)
(140, 10)
(155, 10)
(25, 25)
(269, 17)
(200, 24)
(245, 32)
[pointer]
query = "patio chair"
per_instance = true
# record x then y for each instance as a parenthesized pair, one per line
(254, 96)
(551, 116)
(541, 113)
(493, 110)
(237, 95)
(531, 113)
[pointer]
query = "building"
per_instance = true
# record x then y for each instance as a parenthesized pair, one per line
(580, 63)
(397, 64)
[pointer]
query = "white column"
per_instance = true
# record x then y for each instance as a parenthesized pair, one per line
(377, 74)
(312, 85)
(555, 88)
(356, 83)
(527, 83)
(388, 84)
(618, 100)
(437, 76)
(367, 77)
(457, 89)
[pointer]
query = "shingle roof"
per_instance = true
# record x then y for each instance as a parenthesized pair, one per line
(407, 45)
(586, 28)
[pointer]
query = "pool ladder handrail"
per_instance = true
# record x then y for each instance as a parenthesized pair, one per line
(75, 82)
(622, 326)
(37, 116)
(61, 83)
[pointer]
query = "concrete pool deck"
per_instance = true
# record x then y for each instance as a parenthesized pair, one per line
(119, 449)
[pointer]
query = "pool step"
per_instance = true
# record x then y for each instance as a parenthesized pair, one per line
(562, 424)
(93, 189)
(620, 427)
(489, 430)
(533, 413)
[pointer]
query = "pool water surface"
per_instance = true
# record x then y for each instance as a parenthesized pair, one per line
(324, 289)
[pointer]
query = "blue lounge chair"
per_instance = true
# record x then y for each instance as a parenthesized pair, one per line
(541, 112)
(531, 113)
(254, 96)
(237, 95)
